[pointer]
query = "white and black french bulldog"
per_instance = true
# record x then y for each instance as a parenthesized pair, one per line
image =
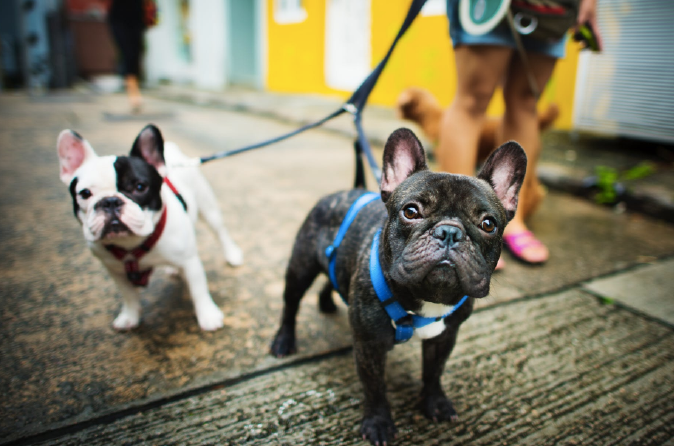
(405, 265)
(137, 212)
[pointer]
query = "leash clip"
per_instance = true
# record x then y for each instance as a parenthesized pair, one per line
(522, 26)
(350, 108)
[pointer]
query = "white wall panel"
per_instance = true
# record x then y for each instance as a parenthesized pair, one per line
(628, 89)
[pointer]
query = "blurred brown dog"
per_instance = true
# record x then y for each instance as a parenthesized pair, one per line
(418, 105)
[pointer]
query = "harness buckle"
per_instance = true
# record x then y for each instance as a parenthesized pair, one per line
(404, 328)
(405, 321)
(134, 276)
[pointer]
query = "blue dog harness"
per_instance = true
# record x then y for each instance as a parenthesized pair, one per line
(404, 322)
(331, 251)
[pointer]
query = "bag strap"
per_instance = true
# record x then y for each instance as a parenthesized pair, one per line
(523, 55)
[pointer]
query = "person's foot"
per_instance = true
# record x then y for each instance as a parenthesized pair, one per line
(136, 104)
(524, 246)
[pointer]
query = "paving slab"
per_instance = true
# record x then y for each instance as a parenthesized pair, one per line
(649, 289)
(563, 369)
(61, 361)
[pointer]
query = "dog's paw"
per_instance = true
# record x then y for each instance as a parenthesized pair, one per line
(379, 430)
(234, 255)
(126, 320)
(210, 317)
(438, 408)
(284, 343)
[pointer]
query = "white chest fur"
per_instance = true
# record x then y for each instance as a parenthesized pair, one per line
(429, 309)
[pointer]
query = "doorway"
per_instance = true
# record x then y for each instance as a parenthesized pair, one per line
(244, 43)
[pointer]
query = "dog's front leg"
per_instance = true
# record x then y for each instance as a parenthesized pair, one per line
(434, 404)
(377, 425)
(209, 315)
(129, 316)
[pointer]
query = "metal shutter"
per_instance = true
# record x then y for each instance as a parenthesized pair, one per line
(628, 89)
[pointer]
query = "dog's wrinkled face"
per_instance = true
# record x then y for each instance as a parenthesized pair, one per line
(113, 197)
(443, 234)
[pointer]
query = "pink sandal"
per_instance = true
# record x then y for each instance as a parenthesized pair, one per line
(518, 242)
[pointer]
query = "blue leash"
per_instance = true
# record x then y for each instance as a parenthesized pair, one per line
(404, 322)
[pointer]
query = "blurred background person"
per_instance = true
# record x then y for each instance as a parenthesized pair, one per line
(127, 20)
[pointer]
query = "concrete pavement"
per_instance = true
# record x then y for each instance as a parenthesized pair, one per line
(543, 361)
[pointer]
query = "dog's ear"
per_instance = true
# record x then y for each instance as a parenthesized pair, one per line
(504, 170)
(73, 151)
(403, 156)
(149, 145)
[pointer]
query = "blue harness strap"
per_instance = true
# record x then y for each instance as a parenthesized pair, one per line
(331, 251)
(404, 322)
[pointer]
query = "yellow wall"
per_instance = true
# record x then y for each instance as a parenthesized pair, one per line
(423, 57)
(296, 52)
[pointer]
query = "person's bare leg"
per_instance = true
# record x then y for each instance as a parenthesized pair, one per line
(520, 123)
(479, 70)
(133, 92)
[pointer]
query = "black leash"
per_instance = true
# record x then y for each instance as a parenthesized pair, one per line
(258, 145)
(354, 105)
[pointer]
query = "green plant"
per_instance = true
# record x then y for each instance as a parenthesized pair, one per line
(606, 300)
(608, 180)
(641, 170)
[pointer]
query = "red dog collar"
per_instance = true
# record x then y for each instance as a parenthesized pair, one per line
(136, 277)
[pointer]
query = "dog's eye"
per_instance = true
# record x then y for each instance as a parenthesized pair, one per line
(140, 186)
(411, 212)
(85, 193)
(488, 225)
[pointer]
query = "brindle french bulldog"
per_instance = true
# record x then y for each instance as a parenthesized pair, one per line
(441, 237)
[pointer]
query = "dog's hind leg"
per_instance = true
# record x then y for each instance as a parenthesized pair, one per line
(302, 270)
(325, 301)
(210, 211)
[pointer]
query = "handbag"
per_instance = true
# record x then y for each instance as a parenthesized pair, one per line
(547, 20)
(542, 19)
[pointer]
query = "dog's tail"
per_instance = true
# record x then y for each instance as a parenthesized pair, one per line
(418, 105)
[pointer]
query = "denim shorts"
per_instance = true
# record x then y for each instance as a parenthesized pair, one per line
(500, 36)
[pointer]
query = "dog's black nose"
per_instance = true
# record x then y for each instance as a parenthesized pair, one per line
(109, 204)
(450, 235)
